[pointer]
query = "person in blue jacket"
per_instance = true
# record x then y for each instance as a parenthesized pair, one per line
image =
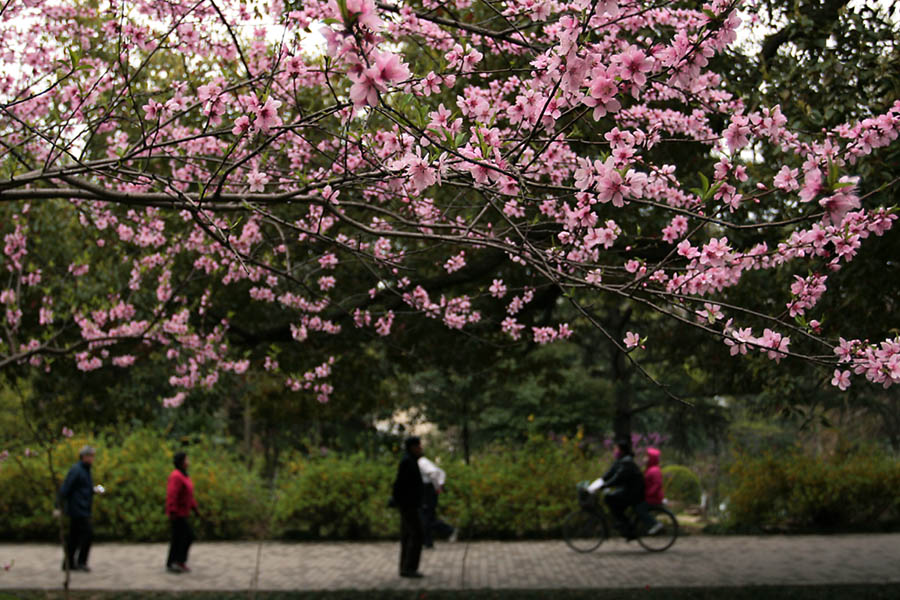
(76, 497)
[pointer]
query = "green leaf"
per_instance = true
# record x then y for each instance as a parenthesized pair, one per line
(705, 182)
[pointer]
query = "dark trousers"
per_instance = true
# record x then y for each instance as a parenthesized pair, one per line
(643, 511)
(411, 534)
(78, 544)
(617, 504)
(430, 521)
(182, 536)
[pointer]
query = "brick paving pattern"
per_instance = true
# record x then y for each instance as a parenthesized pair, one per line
(693, 561)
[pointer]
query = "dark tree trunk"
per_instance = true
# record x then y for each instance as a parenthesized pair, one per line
(465, 431)
(621, 373)
(623, 413)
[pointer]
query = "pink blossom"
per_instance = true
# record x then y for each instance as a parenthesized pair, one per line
(326, 282)
(812, 185)
(455, 263)
(737, 340)
(633, 65)
(736, 136)
(174, 401)
(776, 344)
(153, 110)
(595, 277)
(126, 360)
(844, 350)
(841, 379)
(267, 115)
(372, 80)
(841, 202)
(497, 289)
(78, 270)
(384, 323)
(512, 327)
(543, 335)
(328, 261)
(364, 13)
(632, 340)
(257, 181)
(609, 188)
(421, 174)
(786, 179)
(241, 125)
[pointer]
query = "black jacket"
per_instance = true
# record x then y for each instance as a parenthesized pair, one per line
(77, 491)
(408, 487)
(627, 480)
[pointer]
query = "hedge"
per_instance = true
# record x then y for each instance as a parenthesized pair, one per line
(504, 493)
(681, 484)
(134, 471)
(521, 492)
(794, 489)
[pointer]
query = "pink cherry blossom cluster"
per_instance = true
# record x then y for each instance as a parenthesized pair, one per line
(417, 143)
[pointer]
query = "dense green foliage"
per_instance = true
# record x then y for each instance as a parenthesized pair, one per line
(850, 487)
(335, 497)
(518, 492)
(134, 471)
(681, 484)
(505, 492)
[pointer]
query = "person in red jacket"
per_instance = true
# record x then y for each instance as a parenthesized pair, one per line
(653, 484)
(653, 492)
(179, 504)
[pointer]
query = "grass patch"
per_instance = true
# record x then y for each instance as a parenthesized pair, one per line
(815, 592)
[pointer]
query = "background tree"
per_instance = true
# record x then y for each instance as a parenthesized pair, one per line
(188, 181)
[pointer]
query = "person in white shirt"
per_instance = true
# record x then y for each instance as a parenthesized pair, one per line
(434, 478)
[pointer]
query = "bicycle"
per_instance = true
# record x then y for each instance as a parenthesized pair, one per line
(587, 528)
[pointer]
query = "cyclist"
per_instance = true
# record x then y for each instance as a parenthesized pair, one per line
(625, 484)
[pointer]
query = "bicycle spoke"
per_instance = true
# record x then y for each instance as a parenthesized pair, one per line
(664, 536)
(584, 531)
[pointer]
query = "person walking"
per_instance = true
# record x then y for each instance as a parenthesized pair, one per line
(76, 496)
(407, 497)
(433, 478)
(180, 503)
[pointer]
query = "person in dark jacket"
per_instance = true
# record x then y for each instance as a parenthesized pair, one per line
(76, 497)
(180, 503)
(625, 484)
(408, 496)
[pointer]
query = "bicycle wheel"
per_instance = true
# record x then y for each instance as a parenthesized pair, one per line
(662, 539)
(584, 531)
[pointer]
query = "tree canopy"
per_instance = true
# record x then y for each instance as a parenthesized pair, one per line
(199, 189)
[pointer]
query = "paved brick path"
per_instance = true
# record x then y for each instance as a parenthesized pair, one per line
(693, 561)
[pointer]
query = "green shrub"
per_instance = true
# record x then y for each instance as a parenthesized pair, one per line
(794, 489)
(507, 492)
(681, 484)
(336, 497)
(134, 471)
(522, 492)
